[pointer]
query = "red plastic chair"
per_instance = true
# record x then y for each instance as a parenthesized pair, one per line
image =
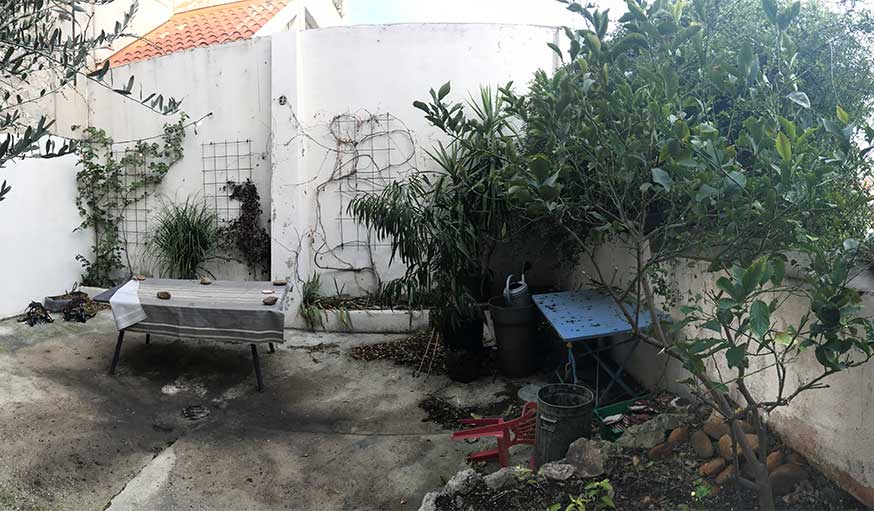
(508, 433)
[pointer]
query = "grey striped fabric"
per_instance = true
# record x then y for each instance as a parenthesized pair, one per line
(222, 311)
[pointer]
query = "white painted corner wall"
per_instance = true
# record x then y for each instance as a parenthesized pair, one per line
(358, 72)
(230, 85)
(281, 92)
(38, 241)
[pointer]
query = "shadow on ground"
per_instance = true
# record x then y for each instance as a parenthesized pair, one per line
(328, 432)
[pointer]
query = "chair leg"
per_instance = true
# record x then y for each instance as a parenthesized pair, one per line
(257, 368)
(503, 453)
(148, 338)
(484, 455)
(272, 349)
(117, 352)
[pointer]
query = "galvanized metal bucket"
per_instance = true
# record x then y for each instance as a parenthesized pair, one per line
(564, 414)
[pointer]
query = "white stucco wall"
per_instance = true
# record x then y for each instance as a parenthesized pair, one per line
(231, 81)
(38, 244)
(361, 71)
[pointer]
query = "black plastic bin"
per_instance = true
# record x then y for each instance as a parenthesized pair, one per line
(515, 332)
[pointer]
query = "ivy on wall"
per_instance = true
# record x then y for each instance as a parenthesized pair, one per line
(104, 193)
(245, 233)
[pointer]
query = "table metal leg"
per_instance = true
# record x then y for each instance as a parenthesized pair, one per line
(572, 362)
(148, 338)
(615, 376)
(257, 368)
(117, 352)
(272, 349)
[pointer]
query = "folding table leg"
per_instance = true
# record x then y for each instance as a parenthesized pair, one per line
(615, 376)
(117, 352)
(257, 368)
(572, 362)
(272, 349)
(148, 338)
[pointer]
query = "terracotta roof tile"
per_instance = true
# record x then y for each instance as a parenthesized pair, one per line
(201, 27)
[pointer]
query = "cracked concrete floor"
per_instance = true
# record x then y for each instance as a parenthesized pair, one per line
(328, 432)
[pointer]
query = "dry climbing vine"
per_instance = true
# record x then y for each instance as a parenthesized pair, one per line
(351, 137)
(103, 193)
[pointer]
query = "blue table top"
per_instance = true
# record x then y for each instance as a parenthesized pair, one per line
(586, 314)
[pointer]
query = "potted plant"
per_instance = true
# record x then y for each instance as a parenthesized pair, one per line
(59, 302)
(445, 225)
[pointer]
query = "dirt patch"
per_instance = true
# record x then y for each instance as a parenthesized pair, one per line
(442, 411)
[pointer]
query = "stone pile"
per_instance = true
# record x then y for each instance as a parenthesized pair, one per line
(585, 458)
(712, 445)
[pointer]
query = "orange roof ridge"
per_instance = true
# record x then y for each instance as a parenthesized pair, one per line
(202, 26)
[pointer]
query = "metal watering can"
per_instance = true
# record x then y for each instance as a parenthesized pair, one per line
(516, 294)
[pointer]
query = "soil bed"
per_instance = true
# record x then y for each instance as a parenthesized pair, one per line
(358, 303)
(641, 484)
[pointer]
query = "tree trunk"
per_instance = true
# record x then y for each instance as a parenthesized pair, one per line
(766, 495)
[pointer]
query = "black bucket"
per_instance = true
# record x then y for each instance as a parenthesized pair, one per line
(564, 414)
(515, 331)
(463, 342)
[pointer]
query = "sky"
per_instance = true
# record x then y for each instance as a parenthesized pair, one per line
(536, 12)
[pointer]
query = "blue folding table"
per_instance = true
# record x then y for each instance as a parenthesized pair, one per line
(590, 314)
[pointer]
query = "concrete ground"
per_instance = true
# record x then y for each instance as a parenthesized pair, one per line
(328, 432)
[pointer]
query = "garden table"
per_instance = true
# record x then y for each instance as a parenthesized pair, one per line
(222, 311)
(579, 316)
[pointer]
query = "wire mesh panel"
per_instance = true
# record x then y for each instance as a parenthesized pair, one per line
(223, 163)
(374, 151)
(132, 199)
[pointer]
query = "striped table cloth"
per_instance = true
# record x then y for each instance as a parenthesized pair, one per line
(222, 311)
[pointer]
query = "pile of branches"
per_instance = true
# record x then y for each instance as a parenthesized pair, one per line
(35, 314)
(80, 309)
(422, 351)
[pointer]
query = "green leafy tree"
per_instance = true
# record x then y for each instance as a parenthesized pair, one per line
(675, 147)
(45, 47)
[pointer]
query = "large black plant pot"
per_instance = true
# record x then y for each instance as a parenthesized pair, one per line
(462, 365)
(463, 341)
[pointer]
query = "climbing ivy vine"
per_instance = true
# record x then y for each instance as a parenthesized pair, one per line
(104, 193)
(245, 234)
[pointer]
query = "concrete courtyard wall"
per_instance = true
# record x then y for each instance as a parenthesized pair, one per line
(38, 244)
(232, 83)
(313, 105)
(344, 122)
